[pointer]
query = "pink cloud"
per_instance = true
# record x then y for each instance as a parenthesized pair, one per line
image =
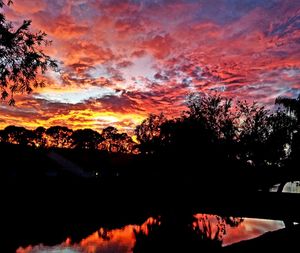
(249, 51)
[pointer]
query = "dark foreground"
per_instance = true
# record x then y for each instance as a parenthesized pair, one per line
(51, 211)
(44, 201)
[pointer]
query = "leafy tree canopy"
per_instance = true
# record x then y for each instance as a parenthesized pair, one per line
(22, 59)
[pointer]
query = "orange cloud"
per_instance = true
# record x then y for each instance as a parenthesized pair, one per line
(29, 6)
(158, 52)
(31, 114)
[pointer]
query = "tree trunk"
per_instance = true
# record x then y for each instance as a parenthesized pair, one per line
(287, 223)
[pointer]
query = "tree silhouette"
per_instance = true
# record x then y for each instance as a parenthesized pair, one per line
(40, 139)
(108, 135)
(17, 135)
(219, 137)
(113, 141)
(86, 139)
(59, 137)
(214, 119)
(277, 146)
(62, 137)
(148, 133)
(253, 133)
(215, 138)
(21, 58)
(3, 137)
(292, 106)
(122, 142)
(195, 148)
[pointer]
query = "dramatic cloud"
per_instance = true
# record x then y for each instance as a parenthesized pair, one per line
(127, 59)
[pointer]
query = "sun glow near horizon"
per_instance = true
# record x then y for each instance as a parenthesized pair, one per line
(122, 60)
(87, 118)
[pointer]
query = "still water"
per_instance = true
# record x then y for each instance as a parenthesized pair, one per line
(123, 240)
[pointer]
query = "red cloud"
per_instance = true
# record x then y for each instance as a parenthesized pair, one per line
(159, 46)
(249, 51)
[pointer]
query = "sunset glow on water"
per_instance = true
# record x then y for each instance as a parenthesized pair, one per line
(166, 108)
(123, 240)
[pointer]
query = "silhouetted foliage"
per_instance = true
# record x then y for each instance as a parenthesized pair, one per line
(277, 146)
(62, 137)
(86, 139)
(183, 233)
(235, 139)
(59, 137)
(149, 132)
(216, 140)
(17, 135)
(108, 134)
(21, 58)
(116, 142)
(40, 137)
(292, 106)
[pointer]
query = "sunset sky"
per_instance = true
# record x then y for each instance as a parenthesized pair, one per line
(121, 60)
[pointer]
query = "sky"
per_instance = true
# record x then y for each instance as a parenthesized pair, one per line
(120, 60)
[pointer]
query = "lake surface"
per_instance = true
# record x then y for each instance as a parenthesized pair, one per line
(123, 240)
(88, 227)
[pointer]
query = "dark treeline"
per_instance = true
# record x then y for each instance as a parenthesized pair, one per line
(216, 145)
(63, 137)
(215, 140)
(218, 149)
(218, 140)
(214, 154)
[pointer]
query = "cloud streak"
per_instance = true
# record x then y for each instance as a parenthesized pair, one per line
(151, 54)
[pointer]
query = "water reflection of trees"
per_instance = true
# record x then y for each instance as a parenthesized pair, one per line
(183, 233)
